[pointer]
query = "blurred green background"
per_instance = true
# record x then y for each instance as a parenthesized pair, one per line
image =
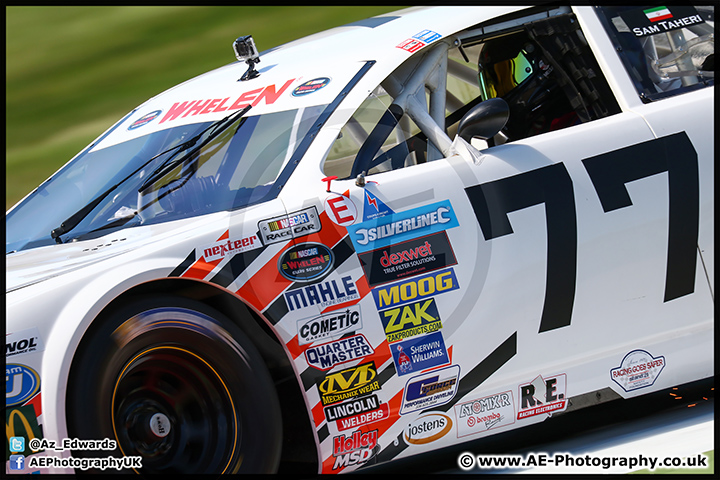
(71, 72)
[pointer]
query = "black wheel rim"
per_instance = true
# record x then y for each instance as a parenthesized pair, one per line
(173, 409)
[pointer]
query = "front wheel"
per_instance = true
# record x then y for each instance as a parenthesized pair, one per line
(179, 387)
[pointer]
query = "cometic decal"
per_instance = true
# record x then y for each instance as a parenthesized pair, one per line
(297, 224)
(394, 228)
(329, 325)
(638, 369)
(486, 413)
(306, 262)
(542, 396)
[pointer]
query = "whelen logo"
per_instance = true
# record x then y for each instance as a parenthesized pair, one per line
(306, 262)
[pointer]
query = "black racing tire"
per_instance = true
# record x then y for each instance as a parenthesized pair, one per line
(179, 385)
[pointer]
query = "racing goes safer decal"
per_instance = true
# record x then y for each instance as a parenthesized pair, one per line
(637, 370)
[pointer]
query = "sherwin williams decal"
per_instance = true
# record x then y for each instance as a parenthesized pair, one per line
(221, 248)
(430, 389)
(398, 227)
(418, 354)
(638, 369)
(354, 449)
(306, 262)
(285, 227)
(427, 428)
(416, 288)
(542, 396)
(411, 320)
(323, 294)
(407, 259)
(374, 207)
(348, 383)
(485, 413)
(310, 86)
(145, 119)
(21, 383)
(327, 355)
(341, 210)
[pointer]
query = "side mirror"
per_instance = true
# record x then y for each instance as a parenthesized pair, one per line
(484, 120)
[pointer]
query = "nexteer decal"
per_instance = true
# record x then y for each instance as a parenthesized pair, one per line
(357, 412)
(542, 396)
(24, 341)
(306, 262)
(348, 383)
(485, 413)
(397, 227)
(269, 94)
(416, 288)
(323, 294)
(329, 325)
(419, 353)
(218, 250)
(410, 320)
(354, 449)
(327, 355)
(285, 227)
(430, 389)
(638, 369)
(427, 428)
(407, 259)
(21, 383)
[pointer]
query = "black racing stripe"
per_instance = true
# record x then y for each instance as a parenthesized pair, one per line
(187, 263)
(237, 265)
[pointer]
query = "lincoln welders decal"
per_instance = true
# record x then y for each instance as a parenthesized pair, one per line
(357, 412)
(329, 325)
(430, 389)
(394, 228)
(327, 355)
(419, 353)
(348, 383)
(542, 396)
(285, 227)
(486, 413)
(306, 262)
(407, 259)
(638, 369)
(416, 288)
(323, 294)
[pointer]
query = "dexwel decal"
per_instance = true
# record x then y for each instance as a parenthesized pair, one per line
(427, 428)
(21, 383)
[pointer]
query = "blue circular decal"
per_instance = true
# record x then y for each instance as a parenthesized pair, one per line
(145, 119)
(310, 86)
(306, 262)
(21, 383)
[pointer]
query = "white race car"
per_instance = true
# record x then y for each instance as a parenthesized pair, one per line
(391, 237)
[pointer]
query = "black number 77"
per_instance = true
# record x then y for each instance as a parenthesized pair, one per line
(609, 173)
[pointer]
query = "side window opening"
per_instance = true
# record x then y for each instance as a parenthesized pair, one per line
(543, 69)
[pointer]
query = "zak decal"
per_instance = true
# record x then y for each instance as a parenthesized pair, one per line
(327, 355)
(297, 224)
(374, 207)
(417, 288)
(306, 262)
(268, 95)
(430, 389)
(644, 22)
(145, 119)
(222, 248)
(407, 259)
(21, 383)
(348, 383)
(341, 210)
(357, 412)
(638, 369)
(542, 396)
(331, 324)
(418, 354)
(410, 320)
(395, 228)
(427, 428)
(310, 86)
(24, 341)
(418, 41)
(354, 449)
(485, 413)
(323, 294)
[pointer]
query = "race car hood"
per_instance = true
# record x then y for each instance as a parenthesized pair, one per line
(306, 72)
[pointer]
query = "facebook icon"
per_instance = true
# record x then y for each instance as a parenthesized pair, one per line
(17, 462)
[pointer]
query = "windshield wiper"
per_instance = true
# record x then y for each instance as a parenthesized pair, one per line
(78, 216)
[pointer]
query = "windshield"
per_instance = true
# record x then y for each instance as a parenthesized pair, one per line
(235, 169)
